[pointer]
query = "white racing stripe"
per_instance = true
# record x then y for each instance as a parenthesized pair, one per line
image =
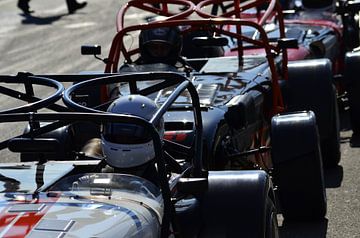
(2, 209)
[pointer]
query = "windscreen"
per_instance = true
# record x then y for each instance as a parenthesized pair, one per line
(108, 184)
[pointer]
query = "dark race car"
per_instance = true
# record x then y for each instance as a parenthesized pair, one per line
(318, 35)
(239, 96)
(323, 29)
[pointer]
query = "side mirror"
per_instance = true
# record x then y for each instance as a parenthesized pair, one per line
(94, 50)
(90, 49)
(205, 41)
(288, 43)
(37, 145)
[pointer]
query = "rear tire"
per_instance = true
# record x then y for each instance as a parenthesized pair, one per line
(352, 71)
(297, 165)
(310, 87)
(238, 204)
(330, 145)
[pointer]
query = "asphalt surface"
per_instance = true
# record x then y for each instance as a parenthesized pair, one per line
(49, 42)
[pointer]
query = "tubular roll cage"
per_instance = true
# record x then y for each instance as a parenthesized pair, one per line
(169, 79)
(118, 47)
(232, 17)
(149, 6)
(161, 8)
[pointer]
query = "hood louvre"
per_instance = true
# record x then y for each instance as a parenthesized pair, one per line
(207, 93)
(54, 225)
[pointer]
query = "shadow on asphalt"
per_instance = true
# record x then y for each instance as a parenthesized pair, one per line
(29, 19)
(345, 124)
(334, 177)
(303, 229)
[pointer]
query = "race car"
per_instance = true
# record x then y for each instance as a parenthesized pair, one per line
(323, 29)
(323, 37)
(122, 196)
(271, 19)
(239, 96)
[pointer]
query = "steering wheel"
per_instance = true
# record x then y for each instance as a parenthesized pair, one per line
(34, 103)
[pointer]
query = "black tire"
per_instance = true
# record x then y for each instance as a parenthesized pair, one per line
(188, 217)
(351, 31)
(237, 205)
(298, 171)
(330, 146)
(352, 71)
(310, 88)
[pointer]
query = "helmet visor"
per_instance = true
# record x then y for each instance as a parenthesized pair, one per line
(158, 49)
(123, 133)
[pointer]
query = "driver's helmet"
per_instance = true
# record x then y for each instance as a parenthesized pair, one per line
(129, 145)
(160, 45)
(317, 3)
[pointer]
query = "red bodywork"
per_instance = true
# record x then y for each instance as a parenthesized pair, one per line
(20, 224)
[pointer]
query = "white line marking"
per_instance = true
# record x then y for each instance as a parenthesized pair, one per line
(80, 25)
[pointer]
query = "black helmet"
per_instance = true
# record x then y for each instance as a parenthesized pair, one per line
(160, 45)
